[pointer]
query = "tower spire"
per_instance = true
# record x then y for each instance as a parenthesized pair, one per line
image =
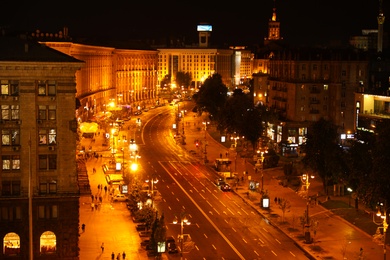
(381, 21)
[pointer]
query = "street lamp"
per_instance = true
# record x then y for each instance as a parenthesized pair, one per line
(205, 123)
(305, 180)
(151, 188)
(383, 218)
(183, 220)
(350, 194)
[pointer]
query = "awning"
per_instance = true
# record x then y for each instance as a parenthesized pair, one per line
(89, 127)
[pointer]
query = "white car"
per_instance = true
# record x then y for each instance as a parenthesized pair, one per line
(119, 197)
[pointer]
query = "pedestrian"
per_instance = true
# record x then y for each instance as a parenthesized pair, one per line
(124, 255)
(99, 187)
(220, 155)
(92, 197)
(83, 227)
(112, 256)
(276, 200)
(94, 170)
(118, 257)
(105, 189)
(102, 247)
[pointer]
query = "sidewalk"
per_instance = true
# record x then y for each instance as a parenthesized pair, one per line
(338, 230)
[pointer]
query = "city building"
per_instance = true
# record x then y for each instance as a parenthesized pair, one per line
(39, 192)
(118, 75)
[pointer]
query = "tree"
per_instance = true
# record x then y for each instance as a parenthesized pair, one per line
(158, 232)
(284, 205)
(146, 215)
(379, 176)
(211, 96)
(323, 154)
(183, 79)
(359, 161)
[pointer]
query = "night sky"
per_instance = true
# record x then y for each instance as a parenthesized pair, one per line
(244, 23)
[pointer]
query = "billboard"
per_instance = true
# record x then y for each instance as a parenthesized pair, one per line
(204, 28)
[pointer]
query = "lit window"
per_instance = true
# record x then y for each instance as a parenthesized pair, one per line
(46, 88)
(10, 137)
(10, 162)
(10, 112)
(9, 87)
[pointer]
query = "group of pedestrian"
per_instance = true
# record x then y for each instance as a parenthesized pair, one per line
(277, 200)
(118, 256)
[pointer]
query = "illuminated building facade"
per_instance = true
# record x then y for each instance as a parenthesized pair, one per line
(39, 193)
(126, 77)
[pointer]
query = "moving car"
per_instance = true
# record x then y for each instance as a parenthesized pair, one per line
(119, 198)
(226, 187)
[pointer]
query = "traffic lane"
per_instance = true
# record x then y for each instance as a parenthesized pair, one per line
(230, 207)
(214, 216)
(199, 228)
(204, 239)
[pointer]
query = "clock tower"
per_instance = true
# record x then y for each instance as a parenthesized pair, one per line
(273, 28)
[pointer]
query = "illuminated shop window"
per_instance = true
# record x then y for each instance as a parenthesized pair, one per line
(48, 242)
(11, 244)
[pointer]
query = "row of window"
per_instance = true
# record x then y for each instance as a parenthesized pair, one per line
(12, 188)
(43, 87)
(45, 162)
(47, 244)
(11, 137)
(12, 112)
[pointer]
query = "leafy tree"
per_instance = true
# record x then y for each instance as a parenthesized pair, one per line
(159, 232)
(183, 79)
(212, 96)
(166, 82)
(359, 160)
(252, 129)
(146, 215)
(323, 154)
(232, 117)
(379, 177)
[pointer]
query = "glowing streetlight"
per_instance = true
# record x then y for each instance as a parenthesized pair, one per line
(305, 180)
(151, 188)
(382, 215)
(205, 123)
(183, 220)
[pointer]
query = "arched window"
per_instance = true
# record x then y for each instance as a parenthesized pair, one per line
(11, 244)
(48, 242)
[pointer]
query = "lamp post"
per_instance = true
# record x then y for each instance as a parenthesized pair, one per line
(183, 220)
(305, 180)
(205, 123)
(383, 221)
(350, 194)
(152, 182)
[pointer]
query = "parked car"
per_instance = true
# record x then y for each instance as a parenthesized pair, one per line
(141, 227)
(172, 248)
(226, 187)
(219, 182)
(145, 242)
(145, 233)
(119, 198)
